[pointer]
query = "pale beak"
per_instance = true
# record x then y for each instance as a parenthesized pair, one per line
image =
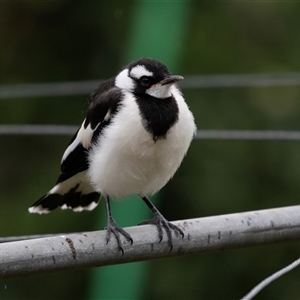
(171, 79)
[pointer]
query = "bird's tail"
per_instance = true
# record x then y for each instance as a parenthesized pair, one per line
(73, 193)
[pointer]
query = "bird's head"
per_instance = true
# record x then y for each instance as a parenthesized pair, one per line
(147, 76)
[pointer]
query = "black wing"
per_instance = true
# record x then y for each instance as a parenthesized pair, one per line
(101, 106)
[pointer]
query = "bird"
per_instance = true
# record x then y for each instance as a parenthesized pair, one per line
(134, 137)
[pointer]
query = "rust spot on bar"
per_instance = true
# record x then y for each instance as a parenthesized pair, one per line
(71, 245)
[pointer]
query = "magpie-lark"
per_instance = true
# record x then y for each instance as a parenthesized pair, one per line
(136, 132)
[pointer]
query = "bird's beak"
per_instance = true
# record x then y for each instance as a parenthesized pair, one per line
(171, 79)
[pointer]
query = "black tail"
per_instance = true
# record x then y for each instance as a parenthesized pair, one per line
(69, 194)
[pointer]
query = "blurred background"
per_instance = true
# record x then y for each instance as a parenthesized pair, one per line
(62, 41)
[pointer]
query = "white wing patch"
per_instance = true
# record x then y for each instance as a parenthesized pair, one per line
(38, 209)
(84, 187)
(91, 206)
(85, 135)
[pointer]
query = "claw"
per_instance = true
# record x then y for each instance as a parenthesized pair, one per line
(161, 222)
(112, 228)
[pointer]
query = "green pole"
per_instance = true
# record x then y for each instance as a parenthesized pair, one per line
(157, 31)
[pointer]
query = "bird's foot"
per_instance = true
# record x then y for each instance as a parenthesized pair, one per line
(112, 228)
(161, 222)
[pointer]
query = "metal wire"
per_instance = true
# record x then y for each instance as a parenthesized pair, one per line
(201, 134)
(240, 80)
(248, 135)
(190, 82)
(270, 279)
(37, 129)
(48, 89)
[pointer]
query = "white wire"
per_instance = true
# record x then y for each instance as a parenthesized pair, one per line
(269, 279)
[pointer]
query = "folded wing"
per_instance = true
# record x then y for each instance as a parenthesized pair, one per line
(72, 189)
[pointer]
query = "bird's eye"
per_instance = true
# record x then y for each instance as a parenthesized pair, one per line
(145, 81)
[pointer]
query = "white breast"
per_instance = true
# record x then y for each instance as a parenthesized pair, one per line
(127, 161)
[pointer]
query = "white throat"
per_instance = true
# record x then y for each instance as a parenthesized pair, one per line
(160, 91)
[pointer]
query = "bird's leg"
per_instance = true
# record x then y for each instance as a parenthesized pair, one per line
(161, 222)
(113, 228)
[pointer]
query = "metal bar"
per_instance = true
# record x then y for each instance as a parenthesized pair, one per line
(83, 250)
(10, 239)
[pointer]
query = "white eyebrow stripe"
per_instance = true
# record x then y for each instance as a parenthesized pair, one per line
(139, 71)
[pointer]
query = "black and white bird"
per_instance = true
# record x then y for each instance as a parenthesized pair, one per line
(136, 132)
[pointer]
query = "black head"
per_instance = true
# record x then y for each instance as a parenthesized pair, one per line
(147, 76)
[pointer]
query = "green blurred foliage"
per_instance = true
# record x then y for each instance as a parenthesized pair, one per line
(64, 41)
